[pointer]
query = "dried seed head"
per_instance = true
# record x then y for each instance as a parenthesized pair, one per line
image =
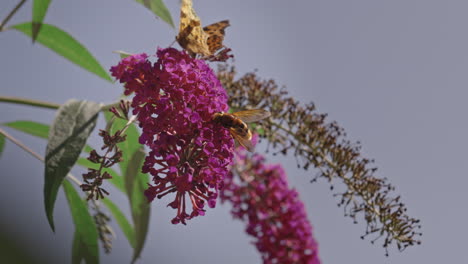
(301, 131)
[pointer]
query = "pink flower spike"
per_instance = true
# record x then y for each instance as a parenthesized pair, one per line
(275, 215)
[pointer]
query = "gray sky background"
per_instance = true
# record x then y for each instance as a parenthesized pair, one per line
(392, 73)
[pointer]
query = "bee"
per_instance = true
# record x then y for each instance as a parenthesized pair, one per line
(236, 123)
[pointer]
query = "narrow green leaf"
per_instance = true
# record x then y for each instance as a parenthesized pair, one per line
(126, 227)
(159, 9)
(123, 54)
(134, 178)
(136, 184)
(77, 249)
(71, 128)
(2, 144)
(39, 11)
(30, 127)
(35, 129)
(85, 242)
(117, 180)
(65, 45)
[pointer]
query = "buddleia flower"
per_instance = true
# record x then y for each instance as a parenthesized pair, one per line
(189, 154)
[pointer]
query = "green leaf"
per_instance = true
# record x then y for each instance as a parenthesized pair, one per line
(159, 9)
(78, 249)
(87, 149)
(65, 45)
(123, 54)
(38, 13)
(35, 129)
(136, 184)
(30, 127)
(2, 143)
(126, 227)
(85, 242)
(117, 180)
(71, 128)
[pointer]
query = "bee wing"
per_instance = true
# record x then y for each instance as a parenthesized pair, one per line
(243, 140)
(253, 115)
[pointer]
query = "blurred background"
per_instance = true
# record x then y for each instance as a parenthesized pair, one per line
(392, 73)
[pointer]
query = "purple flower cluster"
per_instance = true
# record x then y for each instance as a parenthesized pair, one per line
(175, 100)
(275, 216)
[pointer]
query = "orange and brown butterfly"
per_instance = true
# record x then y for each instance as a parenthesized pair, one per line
(195, 39)
(236, 123)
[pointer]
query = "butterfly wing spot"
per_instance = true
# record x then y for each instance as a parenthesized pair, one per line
(216, 34)
(215, 43)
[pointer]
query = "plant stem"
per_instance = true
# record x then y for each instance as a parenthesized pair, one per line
(34, 154)
(24, 101)
(21, 145)
(130, 121)
(10, 15)
(44, 104)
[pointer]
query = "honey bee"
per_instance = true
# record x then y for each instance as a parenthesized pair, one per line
(236, 123)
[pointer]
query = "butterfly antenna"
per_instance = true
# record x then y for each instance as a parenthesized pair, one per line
(172, 43)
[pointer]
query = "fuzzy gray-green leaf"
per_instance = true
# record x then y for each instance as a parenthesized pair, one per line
(68, 134)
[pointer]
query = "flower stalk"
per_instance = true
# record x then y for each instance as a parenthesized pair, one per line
(304, 133)
(94, 178)
(31, 102)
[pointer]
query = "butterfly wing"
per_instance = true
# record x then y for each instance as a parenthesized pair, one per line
(191, 36)
(243, 139)
(253, 115)
(215, 34)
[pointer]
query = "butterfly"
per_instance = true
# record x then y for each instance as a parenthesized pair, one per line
(195, 39)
